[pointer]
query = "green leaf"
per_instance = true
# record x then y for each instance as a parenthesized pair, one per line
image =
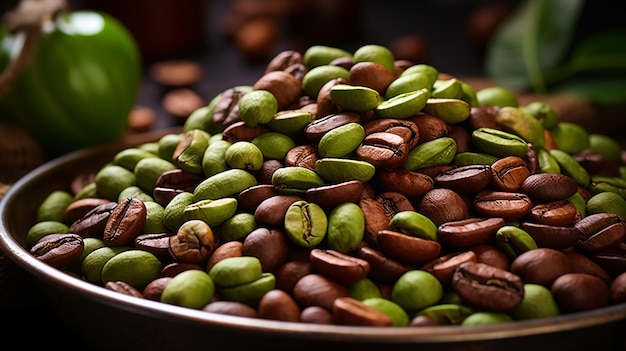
(605, 51)
(533, 40)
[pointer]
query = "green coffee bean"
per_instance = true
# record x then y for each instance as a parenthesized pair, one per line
(192, 289)
(249, 293)
(244, 155)
(547, 163)
(173, 213)
(499, 143)
(167, 145)
(234, 271)
(273, 145)
(290, 122)
(497, 96)
(316, 77)
(607, 201)
(447, 89)
(52, 208)
(305, 223)
(431, 72)
(43, 228)
(364, 289)
(543, 112)
(338, 170)
(605, 146)
(450, 110)
(341, 141)
(214, 160)
(112, 179)
(201, 118)
(227, 183)
(190, 150)
(295, 180)
(406, 83)
(148, 170)
(398, 316)
(134, 191)
(403, 105)
(473, 158)
(134, 267)
(514, 241)
(416, 290)
(375, 53)
(354, 97)
(570, 137)
(434, 152)
(523, 124)
(469, 94)
(538, 302)
(257, 107)
(485, 318)
(569, 166)
(212, 212)
(415, 224)
(599, 184)
(447, 313)
(346, 227)
(154, 218)
(318, 55)
(128, 158)
(237, 227)
(93, 263)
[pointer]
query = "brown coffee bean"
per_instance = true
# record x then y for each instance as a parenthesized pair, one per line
(618, 289)
(290, 272)
(508, 173)
(434, 171)
(462, 138)
(372, 75)
(575, 292)
(325, 104)
(79, 208)
(600, 231)
(508, 205)
(469, 232)
(560, 213)
(492, 256)
(250, 198)
(541, 266)
(544, 187)
(443, 267)
(156, 243)
(350, 311)
(613, 259)
(231, 308)
(239, 130)
(430, 127)
(264, 174)
(227, 249)
(443, 205)
(123, 288)
(376, 219)
(270, 246)
(554, 237)
(329, 196)
(483, 117)
(283, 60)
(285, 87)
(174, 268)
(125, 223)
(92, 224)
(271, 211)
(406, 248)
(488, 288)
(179, 179)
(404, 128)
(393, 203)
(383, 268)
(315, 130)
(317, 290)
(279, 306)
(338, 266)
(411, 184)
(226, 111)
(383, 149)
(302, 156)
(58, 250)
(316, 315)
(154, 289)
(583, 264)
(468, 179)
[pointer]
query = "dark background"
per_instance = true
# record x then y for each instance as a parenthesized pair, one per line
(205, 32)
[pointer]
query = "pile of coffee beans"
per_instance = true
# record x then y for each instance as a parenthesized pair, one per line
(353, 188)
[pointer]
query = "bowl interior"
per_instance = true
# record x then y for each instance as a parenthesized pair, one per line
(179, 326)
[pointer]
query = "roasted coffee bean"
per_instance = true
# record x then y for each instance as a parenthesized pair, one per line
(231, 308)
(491, 255)
(302, 156)
(316, 129)
(600, 231)
(575, 292)
(79, 208)
(393, 203)
(250, 198)
(405, 129)
(350, 311)
(406, 248)
(468, 180)
(541, 266)
(58, 250)
(123, 288)
(554, 237)
(284, 60)
(329, 196)
(411, 184)
(271, 211)
(508, 173)
(444, 266)
(279, 306)
(239, 130)
(383, 149)
(383, 268)
(561, 213)
(443, 205)
(430, 127)
(338, 266)
(317, 290)
(270, 246)
(316, 315)
(226, 111)
(264, 174)
(92, 224)
(544, 187)
(193, 243)
(508, 205)
(469, 232)
(125, 222)
(488, 288)
(156, 243)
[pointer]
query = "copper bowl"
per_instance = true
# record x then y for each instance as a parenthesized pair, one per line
(132, 323)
